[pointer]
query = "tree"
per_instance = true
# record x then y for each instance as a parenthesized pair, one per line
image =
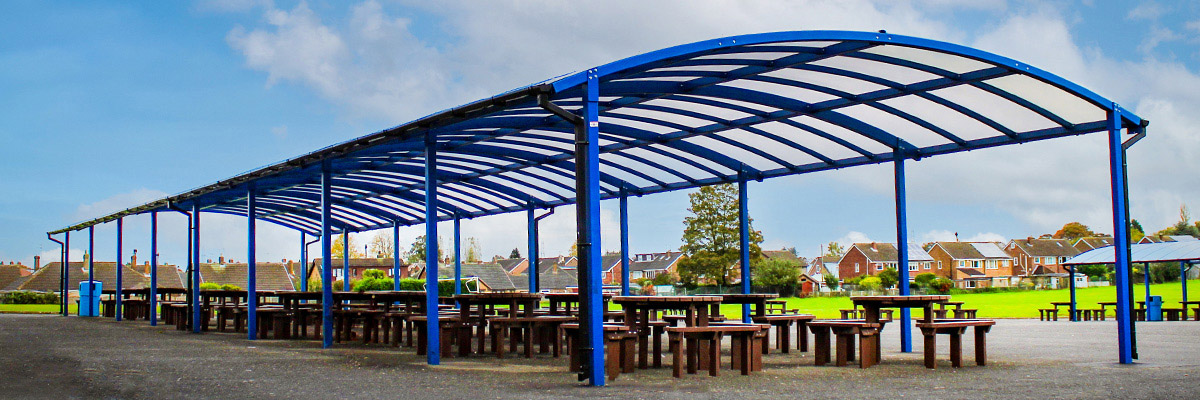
(1136, 233)
(516, 253)
(889, 277)
(336, 247)
(416, 253)
(711, 236)
(870, 283)
(831, 282)
(780, 274)
(1074, 230)
(473, 250)
(382, 244)
(574, 250)
(924, 279)
(834, 250)
(1184, 226)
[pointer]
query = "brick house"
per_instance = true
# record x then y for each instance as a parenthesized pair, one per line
(268, 275)
(973, 264)
(1165, 238)
(650, 265)
(873, 258)
(358, 266)
(1030, 253)
(1094, 242)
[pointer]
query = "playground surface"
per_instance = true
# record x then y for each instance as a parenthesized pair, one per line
(44, 356)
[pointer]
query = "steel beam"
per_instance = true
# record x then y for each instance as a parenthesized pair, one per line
(1071, 284)
(396, 256)
(534, 270)
(744, 240)
(902, 249)
(120, 263)
(433, 351)
(587, 184)
(196, 305)
(326, 256)
(91, 262)
(457, 255)
(1183, 282)
(1121, 266)
(251, 265)
(346, 261)
(154, 268)
(624, 242)
(66, 273)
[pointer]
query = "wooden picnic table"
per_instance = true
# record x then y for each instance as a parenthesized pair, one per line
(757, 300)
(956, 304)
(563, 303)
(638, 311)
(519, 305)
(872, 304)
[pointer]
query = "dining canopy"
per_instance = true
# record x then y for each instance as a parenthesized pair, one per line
(725, 110)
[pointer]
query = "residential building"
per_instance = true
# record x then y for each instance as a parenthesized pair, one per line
(650, 265)
(872, 258)
(268, 275)
(11, 272)
(1039, 256)
(819, 268)
(358, 266)
(512, 265)
(1166, 238)
(491, 277)
(1093, 242)
(972, 264)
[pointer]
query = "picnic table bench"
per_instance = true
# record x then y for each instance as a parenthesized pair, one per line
(955, 328)
(845, 330)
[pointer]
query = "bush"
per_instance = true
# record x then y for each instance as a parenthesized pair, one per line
(372, 283)
(941, 285)
(210, 286)
(665, 279)
(870, 283)
(889, 277)
(230, 287)
(855, 280)
(922, 280)
(831, 282)
(374, 274)
(27, 297)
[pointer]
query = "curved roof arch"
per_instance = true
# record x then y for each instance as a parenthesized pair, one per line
(761, 106)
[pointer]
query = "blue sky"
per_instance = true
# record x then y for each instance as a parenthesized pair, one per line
(105, 105)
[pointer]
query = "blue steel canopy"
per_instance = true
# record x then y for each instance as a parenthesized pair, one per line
(762, 105)
(1142, 252)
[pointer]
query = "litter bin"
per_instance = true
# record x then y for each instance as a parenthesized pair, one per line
(1154, 308)
(89, 298)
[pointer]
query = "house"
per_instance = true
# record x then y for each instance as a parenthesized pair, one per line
(650, 265)
(512, 265)
(49, 277)
(1166, 238)
(1030, 253)
(973, 264)
(1093, 242)
(11, 272)
(491, 277)
(610, 267)
(819, 268)
(358, 266)
(268, 275)
(553, 280)
(872, 258)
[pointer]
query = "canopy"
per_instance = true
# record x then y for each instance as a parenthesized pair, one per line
(754, 107)
(1145, 252)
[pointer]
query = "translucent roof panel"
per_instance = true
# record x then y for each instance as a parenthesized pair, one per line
(744, 107)
(1143, 252)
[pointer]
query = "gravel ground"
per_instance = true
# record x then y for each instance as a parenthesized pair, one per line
(53, 357)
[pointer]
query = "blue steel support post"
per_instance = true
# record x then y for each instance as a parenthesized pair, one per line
(154, 268)
(345, 259)
(66, 273)
(91, 262)
(534, 269)
(587, 188)
(1183, 281)
(120, 278)
(62, 284)
(196, 305)
(902, 250)
(1071, 281)
(396, 256)
(303, 262)
(433, 349)
(251, 265)
(1146, 281)
(326, 255)
(457, 255)
(624, 243)
(1121, 266)
(744, 238)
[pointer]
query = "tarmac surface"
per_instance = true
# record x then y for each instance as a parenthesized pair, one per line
(44, 356)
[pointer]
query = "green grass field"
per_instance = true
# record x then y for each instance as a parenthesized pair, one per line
(32, 308)
(1023, 304)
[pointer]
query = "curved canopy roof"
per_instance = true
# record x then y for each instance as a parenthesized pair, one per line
(1142, 252)
(758, 106)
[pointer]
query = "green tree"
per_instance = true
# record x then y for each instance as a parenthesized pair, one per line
(831, 282)
(922, 280)
(889, 277)
(834, 250)
(780, 274)
(474, 250)
(711, 236)
(870, 283)
(516, 253)
(1136, 233)
(1073, 230)
(941, 285)
(416, 253)
(1184, 226)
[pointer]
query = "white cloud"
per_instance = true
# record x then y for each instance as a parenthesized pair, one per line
(853, 237)
(1146, 11)
(948, 236)
(231, 6)
(280, 132)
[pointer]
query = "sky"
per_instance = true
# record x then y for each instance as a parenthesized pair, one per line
(108, 105)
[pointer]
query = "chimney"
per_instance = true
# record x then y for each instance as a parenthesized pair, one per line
(86, 256)
(209, 261)
(1029, 240)
(37, 263)
(874, 247)
(220, 260)
(147, 264)
(955, 236)
(133, 259)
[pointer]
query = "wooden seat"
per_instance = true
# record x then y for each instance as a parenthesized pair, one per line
(1172, 314)
(965, 313)
(453, 331)
(955, 328)
(708, 339)
(845, 331)
(1045, 314)
(782, 324)
(620, 346)
(273, 320)
(544, 330)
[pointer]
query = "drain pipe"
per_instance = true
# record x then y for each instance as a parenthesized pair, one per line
(62, 280)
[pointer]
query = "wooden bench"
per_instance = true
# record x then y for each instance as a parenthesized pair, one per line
(955, 328)
(1173, 314)
(708, 339)
(453, 331)
(783, 324)
(965, 313)
(544, 330)
(845, 330)
(273, 319)
(1045, 314)
(620, 346)
(884, 315)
